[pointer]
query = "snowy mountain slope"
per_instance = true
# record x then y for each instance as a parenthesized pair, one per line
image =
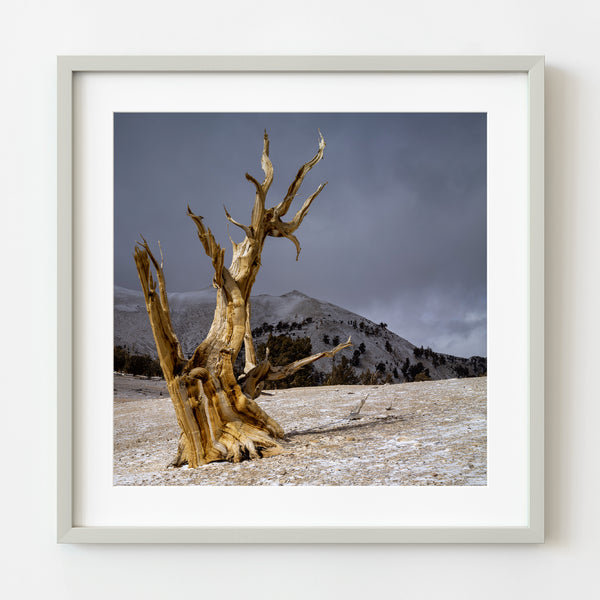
(293, 314)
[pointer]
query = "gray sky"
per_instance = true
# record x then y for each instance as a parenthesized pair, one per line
(398, 234)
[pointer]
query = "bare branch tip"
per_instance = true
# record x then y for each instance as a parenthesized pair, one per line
(162, 260)
(230, 238)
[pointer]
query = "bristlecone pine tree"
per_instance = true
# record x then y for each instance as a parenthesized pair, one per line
(218, 415)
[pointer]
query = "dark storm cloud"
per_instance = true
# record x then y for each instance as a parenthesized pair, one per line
(398, 234)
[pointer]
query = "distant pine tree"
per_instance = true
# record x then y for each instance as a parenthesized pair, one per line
(136, 364)
(342, 374)
(368, 378)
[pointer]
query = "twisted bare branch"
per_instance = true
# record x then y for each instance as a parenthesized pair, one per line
(211, 247)
(157, 306)
(253, 381)
(258, 210)
(266, 164)
(299, 216)
(243, 227)
(282, 208)
(286, 229)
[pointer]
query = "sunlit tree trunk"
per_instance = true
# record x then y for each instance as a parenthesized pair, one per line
(220, 419)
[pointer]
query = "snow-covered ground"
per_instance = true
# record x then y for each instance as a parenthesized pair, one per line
(428, 433)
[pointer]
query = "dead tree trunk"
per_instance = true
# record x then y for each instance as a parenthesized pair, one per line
(218, 420)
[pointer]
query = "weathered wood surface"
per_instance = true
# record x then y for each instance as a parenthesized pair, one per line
(219, 419)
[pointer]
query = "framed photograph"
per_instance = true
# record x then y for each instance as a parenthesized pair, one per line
(301, 299)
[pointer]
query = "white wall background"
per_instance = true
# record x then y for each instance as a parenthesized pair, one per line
(33, 32)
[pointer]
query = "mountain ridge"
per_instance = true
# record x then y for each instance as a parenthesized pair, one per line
(297, 315)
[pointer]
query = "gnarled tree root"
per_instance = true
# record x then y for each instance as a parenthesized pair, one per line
(238, 441)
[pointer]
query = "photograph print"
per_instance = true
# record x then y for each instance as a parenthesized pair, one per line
(300, 299)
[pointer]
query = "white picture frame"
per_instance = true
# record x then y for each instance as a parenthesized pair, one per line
(531, 531)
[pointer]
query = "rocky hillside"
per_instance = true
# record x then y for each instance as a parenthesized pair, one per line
(375, 348)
